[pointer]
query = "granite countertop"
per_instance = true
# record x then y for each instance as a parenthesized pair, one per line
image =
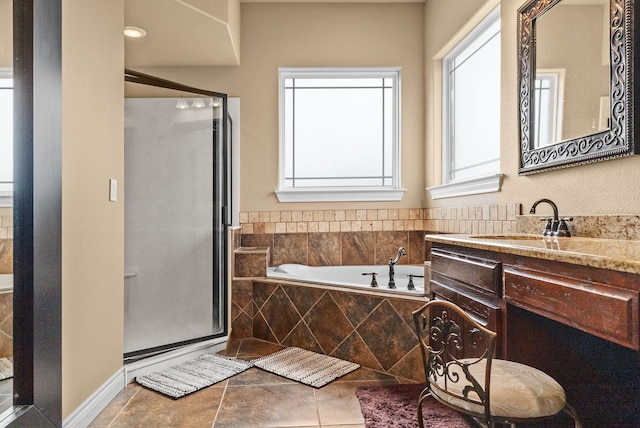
(614, 254)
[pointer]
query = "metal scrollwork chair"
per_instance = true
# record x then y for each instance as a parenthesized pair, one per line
(462, 374)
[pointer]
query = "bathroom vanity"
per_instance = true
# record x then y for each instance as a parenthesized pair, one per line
(569, 306)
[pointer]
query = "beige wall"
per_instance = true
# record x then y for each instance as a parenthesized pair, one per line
(309, 35)
(609, 187)
(92, 227)
(6, 34)
(445, 21)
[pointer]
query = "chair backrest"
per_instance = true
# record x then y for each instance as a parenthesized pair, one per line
(457, 352)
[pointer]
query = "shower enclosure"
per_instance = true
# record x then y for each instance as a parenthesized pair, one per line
(177, 204)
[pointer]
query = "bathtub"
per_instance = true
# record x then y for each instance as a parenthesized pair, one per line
(6, 282)
(352, 276)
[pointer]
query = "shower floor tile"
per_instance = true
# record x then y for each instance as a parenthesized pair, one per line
(254, 398)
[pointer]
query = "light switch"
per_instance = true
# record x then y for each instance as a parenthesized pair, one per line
(113, 189)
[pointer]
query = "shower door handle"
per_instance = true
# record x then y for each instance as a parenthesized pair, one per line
(224, 218)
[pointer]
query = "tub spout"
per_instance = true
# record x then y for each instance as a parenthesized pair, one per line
(392, 262)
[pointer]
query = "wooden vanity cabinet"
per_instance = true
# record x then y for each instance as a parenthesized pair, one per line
(470, 279)
(578, 323)
(601, 302)
(599, 308)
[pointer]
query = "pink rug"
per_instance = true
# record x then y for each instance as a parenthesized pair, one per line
(396, 406)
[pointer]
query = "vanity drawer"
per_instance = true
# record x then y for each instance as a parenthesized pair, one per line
(477, 273)
(600, 309)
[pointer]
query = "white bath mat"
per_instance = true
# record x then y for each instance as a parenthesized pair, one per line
(193, 375)
(304, 366)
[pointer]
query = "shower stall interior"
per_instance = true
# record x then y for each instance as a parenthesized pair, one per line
(177, 210)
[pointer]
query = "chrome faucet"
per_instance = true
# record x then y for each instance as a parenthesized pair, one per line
(555, 226)
(392, 262)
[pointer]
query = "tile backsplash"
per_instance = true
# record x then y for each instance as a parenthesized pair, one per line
(6, 240)
(6, 223)
(626, 227)
(364, 237)
(348, 237)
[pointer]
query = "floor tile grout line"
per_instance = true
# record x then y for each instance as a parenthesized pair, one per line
(224, 392)
(315, 397)
(123, 407)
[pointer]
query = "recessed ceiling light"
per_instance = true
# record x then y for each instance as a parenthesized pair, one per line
(134, 32)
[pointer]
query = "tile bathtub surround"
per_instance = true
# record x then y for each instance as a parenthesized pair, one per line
(452, 220)
(6, 223)
(342, 324)
(6, 324)
(474, 219)
(6, 256)
(251, 261)
(354, 237)
(272, 222)
(339, 248)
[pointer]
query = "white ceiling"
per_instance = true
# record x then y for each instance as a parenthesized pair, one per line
(179, 33)
(192, 32)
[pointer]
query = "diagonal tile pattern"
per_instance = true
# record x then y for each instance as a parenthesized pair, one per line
(375, 331)
(254, 398)
(327, 323)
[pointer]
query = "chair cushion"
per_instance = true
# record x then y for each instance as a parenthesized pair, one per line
(517, 390)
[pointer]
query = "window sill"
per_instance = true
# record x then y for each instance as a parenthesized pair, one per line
(339, 195)
(474, 186)
(6, 199)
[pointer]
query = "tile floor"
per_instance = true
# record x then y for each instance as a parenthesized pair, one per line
(6, 394)
(253, 398)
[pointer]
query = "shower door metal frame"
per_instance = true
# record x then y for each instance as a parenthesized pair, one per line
(221, 216)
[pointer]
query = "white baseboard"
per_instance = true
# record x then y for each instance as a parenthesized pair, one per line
(168, 359)
(92, 406)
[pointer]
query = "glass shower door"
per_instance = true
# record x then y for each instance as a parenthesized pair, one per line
(175, 223)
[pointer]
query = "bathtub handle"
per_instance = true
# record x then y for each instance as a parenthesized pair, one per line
(411, 286)
(374, 283)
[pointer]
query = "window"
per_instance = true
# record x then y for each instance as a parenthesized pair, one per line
(339, 135)
(548, 96)
(6, 137)
(471, 104)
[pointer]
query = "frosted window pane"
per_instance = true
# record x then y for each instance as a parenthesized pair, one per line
(477, 110)
(333, 127)
(288, 132)
(337, 82)
(338, 131)
(473, 122)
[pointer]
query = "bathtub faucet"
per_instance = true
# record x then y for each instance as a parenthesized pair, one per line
(392, 262)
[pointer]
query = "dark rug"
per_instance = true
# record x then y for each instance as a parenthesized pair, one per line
(396, 406)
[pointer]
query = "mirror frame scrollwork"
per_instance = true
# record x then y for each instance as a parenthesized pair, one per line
(618, 140)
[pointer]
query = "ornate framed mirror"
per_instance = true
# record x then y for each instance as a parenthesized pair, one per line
(576, 69)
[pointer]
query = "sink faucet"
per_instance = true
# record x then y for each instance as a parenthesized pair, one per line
(555, 226)
(392, 262)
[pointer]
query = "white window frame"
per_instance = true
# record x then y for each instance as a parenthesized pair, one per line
(487, 183)
(6, 196)
(394, 192)
(556, 78)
